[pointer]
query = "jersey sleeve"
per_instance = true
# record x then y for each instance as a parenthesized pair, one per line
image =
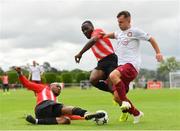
(141, 35)
(31, 85)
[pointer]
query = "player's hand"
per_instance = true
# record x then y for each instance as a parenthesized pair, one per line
(17, 69)
(103, 34)
(159, 57)
(78, 58)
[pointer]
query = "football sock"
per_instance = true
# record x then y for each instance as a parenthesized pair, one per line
(103, 86)
(47, 121)
(120, 87)
(78, 111)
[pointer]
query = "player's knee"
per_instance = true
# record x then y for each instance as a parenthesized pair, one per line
(64, 120)
(113, 77)
(93, 81)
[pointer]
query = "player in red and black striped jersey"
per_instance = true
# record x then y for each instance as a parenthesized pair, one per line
(47, 110)
(104, 53)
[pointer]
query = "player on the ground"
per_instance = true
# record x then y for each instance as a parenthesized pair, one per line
(129, 62)
(103, 51)
(47, 110)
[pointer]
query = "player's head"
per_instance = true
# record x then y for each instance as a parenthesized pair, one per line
(34, 63)
(56, 88)
(87, 28)
(124, 20)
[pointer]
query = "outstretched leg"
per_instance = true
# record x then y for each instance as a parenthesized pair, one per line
(69, 110)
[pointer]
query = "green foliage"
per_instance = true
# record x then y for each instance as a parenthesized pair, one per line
(43, 79)
(58, 78)
(13, 77)
(66, 77)
(1, 71)
(81, 76)
(168, 65)
(50, 77)
(148, 74)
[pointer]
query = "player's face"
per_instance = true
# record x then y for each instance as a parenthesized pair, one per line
(87, 30)
(34, 63)
(124, 23)
(56, 90)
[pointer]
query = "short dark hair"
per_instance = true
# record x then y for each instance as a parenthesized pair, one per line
(87, 21)
(125, 13)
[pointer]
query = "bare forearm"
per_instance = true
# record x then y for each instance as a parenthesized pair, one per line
(29, 76)
(110, 35)
(88, 45)
(155, 45)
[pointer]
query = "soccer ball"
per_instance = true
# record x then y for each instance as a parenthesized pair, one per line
(103, 120)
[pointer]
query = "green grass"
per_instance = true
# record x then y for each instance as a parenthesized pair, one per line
(161, 109)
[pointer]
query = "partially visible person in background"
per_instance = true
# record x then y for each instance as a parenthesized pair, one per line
(5, 82)
(35, 72)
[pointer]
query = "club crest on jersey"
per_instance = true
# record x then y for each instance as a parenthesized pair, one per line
(125, 41)
(129, 34)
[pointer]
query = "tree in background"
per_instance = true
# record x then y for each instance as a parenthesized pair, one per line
(168, 65)
(148, 74)
(50, 77)
(66, 78)
(81, 76)
(46, 66)
(1, 71)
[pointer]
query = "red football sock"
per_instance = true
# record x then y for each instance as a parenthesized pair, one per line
(132, 110)
(75, 117)
(120, 87)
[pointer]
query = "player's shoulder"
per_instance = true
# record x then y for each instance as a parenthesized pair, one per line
(98, 30)
(135, 29)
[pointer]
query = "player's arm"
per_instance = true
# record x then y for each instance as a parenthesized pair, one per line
(28, 84)
(29, 69)
(29, 76)
(88, 45)
(141, 35)
(110, 35)
(154, 44)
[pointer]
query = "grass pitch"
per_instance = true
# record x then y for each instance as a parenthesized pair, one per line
(161, 109)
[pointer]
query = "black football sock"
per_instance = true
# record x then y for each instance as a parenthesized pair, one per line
(78, 111)
(47, 121)
(103, 86)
